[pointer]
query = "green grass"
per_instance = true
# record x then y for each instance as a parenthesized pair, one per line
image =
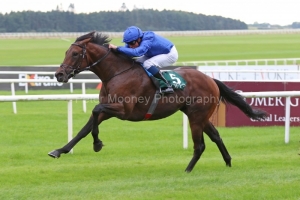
(240, 47)
(22, 52)
(140, 160)
(143, 160)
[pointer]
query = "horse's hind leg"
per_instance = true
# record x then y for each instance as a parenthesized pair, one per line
(82, 133)
(103, 112)
(214, 135)
(98, 117)
(199, 145)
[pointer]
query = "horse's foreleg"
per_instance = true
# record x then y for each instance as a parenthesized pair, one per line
(82, 133)
(199, 145)
(214, 135)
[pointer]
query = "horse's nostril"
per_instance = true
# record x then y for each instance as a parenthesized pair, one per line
(59, 76)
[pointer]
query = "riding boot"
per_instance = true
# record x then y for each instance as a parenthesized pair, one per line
(169, 88)
(155, 83)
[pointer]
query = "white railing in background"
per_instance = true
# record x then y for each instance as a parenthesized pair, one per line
(70, 97)
(40, 73)
(286, 94)
(206, 71)
(251, 62)
(13, 81)
(163, 33)
(84, 81)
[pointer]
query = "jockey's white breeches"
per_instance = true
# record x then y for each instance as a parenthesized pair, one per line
(162, 60)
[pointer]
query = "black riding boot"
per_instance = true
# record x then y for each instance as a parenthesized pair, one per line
(155, 83)
(168, 89)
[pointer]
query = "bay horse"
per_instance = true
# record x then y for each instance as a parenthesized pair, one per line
(126, 80)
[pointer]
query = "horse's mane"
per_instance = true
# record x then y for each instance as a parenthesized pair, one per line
(96, 37)
(100, 39)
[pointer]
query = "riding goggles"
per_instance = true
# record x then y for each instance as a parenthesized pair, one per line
(132, 42)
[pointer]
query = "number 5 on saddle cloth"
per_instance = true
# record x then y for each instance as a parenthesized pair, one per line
(173, 78)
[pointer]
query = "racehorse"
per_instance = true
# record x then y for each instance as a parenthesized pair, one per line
(126, 80)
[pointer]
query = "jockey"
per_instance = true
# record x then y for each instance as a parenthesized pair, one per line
(152, 50)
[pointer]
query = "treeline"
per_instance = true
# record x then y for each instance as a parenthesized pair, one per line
(296, 25)
(109, 21)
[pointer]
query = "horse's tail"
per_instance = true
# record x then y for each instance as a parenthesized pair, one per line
(231, 97)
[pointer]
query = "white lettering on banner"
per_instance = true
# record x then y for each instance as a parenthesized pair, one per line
(271, 101)
(267, 119)
(35, 77)
(259, 74)
(277, 118)
(278, 100)
(282, 119)
(252, 75)
(296, 103)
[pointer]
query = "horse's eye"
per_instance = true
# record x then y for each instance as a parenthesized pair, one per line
(74, 54)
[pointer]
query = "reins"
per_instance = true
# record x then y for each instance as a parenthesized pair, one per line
(77, 70)
(84, 54)
(107, 80)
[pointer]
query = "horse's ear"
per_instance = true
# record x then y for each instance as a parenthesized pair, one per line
(89, 36)
(93, 33)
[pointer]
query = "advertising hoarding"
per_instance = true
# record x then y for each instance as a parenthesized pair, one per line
(275, 106)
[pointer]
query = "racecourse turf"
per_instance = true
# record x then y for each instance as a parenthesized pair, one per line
(142, 160)
(20, 52)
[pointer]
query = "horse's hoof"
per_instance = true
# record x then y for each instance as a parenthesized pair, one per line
(188, 169)
(98, 146)
(54, 154)
(228, 164)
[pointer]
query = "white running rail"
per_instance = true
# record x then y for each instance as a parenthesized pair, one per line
(70, 97)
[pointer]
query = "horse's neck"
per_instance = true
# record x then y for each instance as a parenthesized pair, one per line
(117, 68)
(113, 65)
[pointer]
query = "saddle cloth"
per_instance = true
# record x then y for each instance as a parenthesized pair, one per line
(174, 79)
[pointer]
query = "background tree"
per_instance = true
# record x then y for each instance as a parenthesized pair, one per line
(146, 19)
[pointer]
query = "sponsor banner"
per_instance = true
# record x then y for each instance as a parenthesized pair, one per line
(275, 106)
(262, 72)
(42, 86)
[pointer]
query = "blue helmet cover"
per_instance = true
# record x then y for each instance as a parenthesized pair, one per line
(132, 33)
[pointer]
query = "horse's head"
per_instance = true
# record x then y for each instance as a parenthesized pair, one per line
(76, 58)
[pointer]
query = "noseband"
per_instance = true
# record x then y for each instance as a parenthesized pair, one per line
(77, 70)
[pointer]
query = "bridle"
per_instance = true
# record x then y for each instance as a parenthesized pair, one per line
(77, 70)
